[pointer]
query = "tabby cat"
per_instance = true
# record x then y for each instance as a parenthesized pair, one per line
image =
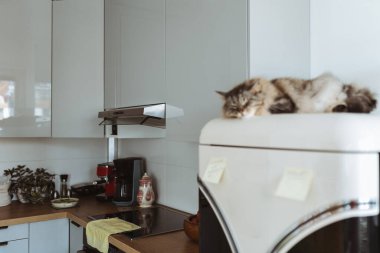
(324, 93)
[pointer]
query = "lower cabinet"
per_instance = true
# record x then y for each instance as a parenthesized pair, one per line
(49, 236)
(53, 236)
(76, 237)
(40, 237)
(19, 246)
(14, 238)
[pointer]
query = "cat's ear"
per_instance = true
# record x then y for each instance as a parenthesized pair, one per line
(250, 85)
(222, 93)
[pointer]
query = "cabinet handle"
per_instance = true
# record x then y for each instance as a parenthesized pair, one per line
(4, 227)
(3, 244)
(75, 224)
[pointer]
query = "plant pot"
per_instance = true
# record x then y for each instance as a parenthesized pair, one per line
(36, 195)
(22, 197)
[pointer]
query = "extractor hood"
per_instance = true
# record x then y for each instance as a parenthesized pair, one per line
(153, 115)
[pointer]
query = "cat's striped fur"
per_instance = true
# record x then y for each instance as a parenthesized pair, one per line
(259, 96)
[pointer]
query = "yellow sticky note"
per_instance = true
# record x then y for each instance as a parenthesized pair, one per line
(215, 169)
(295, 184)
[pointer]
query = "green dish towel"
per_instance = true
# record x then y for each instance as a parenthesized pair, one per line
(98, 231)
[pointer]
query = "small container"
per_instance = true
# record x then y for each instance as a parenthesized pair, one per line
(5, 198)
(191, 227)
(63, 192)
(145, 196)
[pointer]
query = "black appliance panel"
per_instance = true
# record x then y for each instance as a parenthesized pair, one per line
(211, 238)
(153, 221)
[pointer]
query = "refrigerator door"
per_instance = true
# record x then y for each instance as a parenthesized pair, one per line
(345, 132)
(268, 200)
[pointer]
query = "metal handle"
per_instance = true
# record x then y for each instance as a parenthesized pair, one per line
(3, 244)
(4, 227)
(75, 224)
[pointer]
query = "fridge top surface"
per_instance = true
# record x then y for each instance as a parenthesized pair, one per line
(343, 132)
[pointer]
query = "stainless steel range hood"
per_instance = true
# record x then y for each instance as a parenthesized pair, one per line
(153, 115)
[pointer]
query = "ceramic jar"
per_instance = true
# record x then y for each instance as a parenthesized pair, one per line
(5, 199)
(145, 196)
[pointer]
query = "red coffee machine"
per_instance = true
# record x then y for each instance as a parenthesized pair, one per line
(106, 174)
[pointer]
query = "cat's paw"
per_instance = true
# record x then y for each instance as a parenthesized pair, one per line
(339, 108)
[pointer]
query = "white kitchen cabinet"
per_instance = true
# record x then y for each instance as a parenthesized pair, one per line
(49, 236)
(77, 68)
(76, 237)
(14, 232)
(25, 73)
(134, 52)
(14, 238)
(19, 246)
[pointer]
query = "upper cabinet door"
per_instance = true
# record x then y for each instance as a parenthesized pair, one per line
(134, 52)
(78, 81)
(25, 73)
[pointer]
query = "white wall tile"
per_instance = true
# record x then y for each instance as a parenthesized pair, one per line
(181, 188)
(20, 149)
(76, 157)
(183, 154)
(153, 150)
(174, 175)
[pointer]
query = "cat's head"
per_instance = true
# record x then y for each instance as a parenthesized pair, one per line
(242, 101)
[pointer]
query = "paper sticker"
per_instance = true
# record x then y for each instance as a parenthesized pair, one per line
(295, 184)
(215, 169)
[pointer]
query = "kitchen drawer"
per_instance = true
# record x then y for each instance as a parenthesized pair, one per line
(19, 246)
(14, 232)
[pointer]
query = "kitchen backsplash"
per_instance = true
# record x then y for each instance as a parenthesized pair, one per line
(76, 157)
(173, 165)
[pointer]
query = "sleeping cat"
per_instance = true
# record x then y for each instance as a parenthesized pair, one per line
(324, 93)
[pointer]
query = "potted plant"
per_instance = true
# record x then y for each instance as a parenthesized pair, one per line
(30, 186)
(42, 185)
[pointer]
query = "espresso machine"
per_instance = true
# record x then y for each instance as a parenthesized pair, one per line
(128, 172)
(106, 174)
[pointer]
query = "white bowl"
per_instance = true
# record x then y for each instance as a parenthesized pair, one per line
(64, 202)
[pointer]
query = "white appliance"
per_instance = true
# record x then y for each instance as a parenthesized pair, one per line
(272, 181)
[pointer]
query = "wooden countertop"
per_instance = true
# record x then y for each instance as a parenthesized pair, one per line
(17, 213)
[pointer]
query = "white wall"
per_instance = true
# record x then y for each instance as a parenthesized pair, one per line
(345, 40)
(307, 38)
(76, 157)
(280, 38)
(206, 50)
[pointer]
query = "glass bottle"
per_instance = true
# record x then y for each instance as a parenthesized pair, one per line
(63, 192)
